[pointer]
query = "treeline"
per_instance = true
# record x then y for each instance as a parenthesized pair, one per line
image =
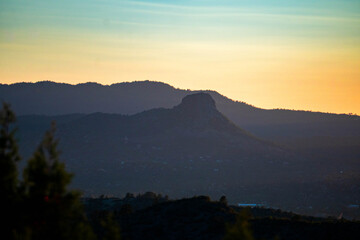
(202, 218)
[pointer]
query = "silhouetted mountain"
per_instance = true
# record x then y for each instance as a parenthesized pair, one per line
(286, 127)
(188, 150)
(312, 134)
(52, 98)
(322, 136)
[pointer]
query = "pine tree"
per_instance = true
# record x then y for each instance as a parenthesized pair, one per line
(52, 211)
(8, 172)
(8, 154)
(41, 206)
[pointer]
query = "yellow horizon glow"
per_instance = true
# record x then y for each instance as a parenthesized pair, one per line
(304, 68)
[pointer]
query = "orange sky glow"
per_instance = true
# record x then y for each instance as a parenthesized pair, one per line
(291, 57)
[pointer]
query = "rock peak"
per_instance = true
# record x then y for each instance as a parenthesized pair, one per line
(200, 101)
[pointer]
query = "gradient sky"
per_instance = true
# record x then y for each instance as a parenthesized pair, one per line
(272, 54)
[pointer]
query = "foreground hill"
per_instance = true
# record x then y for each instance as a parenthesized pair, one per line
(151, 216)
(188, 150)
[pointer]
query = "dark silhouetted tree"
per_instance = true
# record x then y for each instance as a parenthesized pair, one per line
(52, 211)
(8, 153)
(40, 206)
(8, 172)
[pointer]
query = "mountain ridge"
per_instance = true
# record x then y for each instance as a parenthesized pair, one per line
(182, 152)
(146, 83)
(172, 135)
(284, 127)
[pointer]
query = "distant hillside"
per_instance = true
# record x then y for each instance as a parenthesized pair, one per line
(188, 150)
(50, 98)
(329, 137)
(190, 140)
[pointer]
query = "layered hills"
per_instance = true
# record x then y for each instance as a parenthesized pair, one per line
(187, 150)
(321, 132)
(189, 143)
(50, 98)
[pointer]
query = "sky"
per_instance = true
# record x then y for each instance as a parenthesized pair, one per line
(269, 53)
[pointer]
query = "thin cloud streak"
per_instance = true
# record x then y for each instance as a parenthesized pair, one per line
(241, 13)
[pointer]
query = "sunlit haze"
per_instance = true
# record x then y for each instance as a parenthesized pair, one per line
(271, 54)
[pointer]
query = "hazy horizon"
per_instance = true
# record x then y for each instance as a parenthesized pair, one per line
(271, 54)
(154, 81)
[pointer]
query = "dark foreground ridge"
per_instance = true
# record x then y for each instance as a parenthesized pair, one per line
(151, 216)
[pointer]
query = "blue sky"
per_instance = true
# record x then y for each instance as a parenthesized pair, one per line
(261, 52)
